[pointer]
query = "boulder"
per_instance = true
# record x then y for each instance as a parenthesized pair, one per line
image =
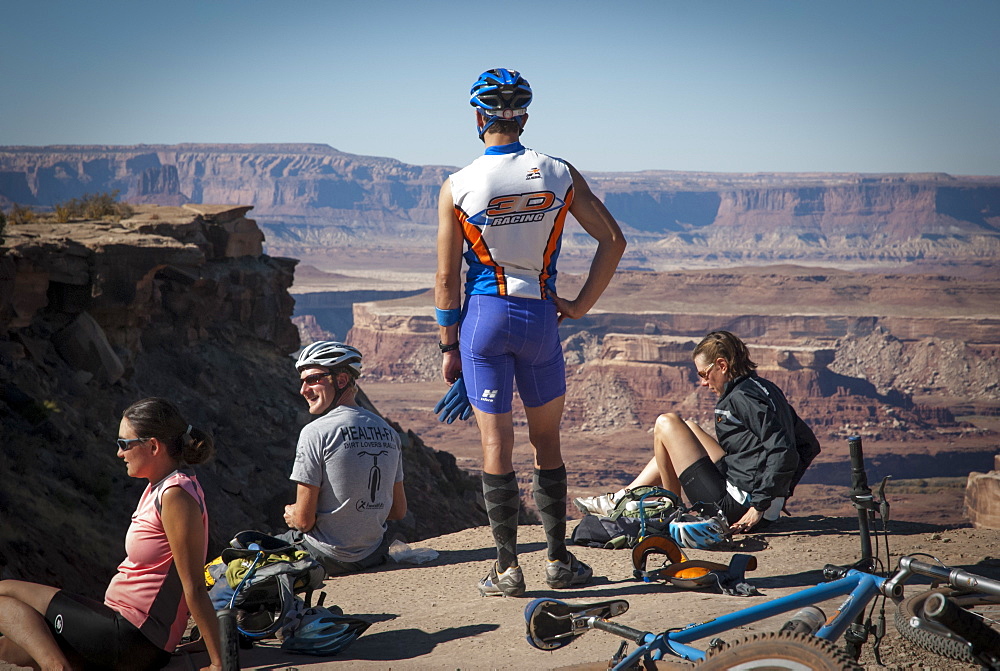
(84, 346)
(982, 499)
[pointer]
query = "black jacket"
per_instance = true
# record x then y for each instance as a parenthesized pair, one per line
(755, 426)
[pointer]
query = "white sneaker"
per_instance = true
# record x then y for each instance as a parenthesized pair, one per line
(596, 505)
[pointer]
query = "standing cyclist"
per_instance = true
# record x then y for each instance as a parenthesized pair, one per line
(509, 207)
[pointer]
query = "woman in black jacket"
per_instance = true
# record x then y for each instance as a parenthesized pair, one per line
(749, 469)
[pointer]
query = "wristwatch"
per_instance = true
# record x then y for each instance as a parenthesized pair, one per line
(448, 348)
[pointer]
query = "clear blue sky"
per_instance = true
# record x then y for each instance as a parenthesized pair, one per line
(747, 86)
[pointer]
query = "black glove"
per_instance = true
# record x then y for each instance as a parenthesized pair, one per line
(454, 404)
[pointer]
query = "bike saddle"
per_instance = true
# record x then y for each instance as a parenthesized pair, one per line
(552, 624)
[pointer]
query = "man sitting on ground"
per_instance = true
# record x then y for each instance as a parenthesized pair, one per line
(348, 467)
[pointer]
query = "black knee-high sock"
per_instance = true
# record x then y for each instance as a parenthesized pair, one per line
(550, 497)
(502, 503)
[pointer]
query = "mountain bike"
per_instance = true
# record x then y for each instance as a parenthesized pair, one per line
(810, 635)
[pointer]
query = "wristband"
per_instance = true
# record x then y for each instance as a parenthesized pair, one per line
(448, 348)
(447, 317)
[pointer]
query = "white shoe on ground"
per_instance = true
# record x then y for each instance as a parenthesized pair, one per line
(596, 505)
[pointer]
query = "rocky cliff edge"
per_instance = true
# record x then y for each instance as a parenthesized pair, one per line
(176, 302)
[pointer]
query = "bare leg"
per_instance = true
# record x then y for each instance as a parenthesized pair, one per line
(711, 445)
(543, 432)
(497, 435)
(27, 640)
(675, 447)
(11, 652)
(649, 476)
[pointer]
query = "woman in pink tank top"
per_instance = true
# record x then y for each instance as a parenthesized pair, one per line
(161, 580)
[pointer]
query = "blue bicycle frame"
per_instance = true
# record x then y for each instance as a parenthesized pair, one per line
(860, 588)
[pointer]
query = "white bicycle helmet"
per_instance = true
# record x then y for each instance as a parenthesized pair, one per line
(322, 632)
(690, 530)
(330, 354)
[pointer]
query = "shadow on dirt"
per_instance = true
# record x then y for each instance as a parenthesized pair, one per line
(385, 646)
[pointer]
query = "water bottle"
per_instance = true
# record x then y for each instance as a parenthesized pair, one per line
(806, 621)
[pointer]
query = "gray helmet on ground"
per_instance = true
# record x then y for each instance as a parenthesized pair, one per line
(330, 354)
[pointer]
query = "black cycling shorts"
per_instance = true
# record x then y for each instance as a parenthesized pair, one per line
(702, 481)
(100, 636)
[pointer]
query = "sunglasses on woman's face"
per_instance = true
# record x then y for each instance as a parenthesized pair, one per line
(703, 374)
(126, 444)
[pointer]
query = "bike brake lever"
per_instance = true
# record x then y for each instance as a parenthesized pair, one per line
(881, 487)
(883, 503)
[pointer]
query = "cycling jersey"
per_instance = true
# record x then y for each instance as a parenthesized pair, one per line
(512, 204)
(147, 590)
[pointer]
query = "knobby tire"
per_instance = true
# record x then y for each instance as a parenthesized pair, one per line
(984, 605)
(779, 650)
(230, 640)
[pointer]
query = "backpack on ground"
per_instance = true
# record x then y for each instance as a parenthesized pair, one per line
(258, 576)
(653, 511)
(628, 524)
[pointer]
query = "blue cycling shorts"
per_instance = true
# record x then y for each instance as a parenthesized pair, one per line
(506, 339)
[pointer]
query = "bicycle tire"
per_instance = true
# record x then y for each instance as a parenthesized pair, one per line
(229, 636)
(778, 650)
(985, 605)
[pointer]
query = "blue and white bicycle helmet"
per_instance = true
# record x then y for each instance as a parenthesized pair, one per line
(321, 632)
(330, 354)
(690, 530)
(500, 94)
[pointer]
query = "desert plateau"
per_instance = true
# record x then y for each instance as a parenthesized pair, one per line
(871, 300)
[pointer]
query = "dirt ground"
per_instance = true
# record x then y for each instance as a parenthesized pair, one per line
(432, 617)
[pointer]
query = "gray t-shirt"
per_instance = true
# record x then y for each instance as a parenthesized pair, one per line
(354, 458)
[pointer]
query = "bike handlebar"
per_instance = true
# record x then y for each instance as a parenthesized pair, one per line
(955, 577)
(634, 635)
